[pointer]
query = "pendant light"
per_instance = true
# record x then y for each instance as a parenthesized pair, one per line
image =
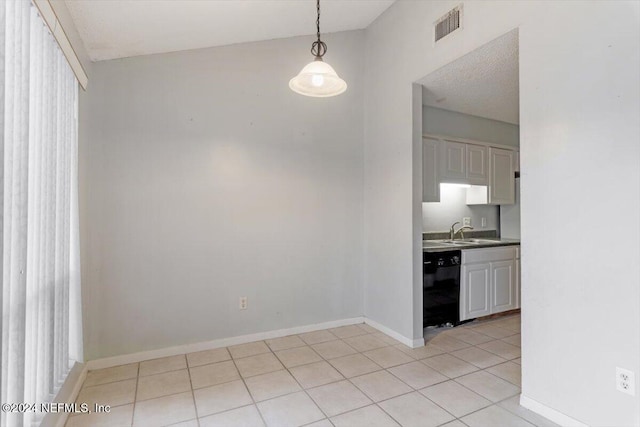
(317, 78)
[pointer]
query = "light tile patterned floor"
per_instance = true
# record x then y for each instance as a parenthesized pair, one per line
(348, 376)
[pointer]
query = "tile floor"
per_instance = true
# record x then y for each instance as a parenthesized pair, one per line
(347, 376)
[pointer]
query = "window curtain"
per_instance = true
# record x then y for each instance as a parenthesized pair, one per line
(39, 220)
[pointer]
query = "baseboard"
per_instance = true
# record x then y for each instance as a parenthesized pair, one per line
(396, 336)
(68, 393)
(109, 362)
(549, 413)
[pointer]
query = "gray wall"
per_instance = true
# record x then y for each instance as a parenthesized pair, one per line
(203, 179)
(437, 121)
(453, 207)
(574, 150)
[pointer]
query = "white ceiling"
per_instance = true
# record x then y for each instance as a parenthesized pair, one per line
(482, 83)
(121, 28)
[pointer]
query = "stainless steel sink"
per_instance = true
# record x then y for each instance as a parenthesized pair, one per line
(461, 242)
(466, 242)
(483, 241)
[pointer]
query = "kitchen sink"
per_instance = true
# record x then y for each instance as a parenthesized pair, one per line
(467, 242)
(477, 240)
(459, 242)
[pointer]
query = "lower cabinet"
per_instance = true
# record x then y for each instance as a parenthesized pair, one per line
(489, 282)
(503, 286)
(475, 291)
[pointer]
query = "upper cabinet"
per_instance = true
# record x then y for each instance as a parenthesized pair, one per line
(464, 163)
(453, 162)
(490, 170)
(502, 185)
(477, 165)
(430, 171)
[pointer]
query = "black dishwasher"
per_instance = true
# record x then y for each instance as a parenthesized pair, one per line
(441, 288)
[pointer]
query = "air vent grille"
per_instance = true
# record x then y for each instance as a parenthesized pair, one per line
(448, 23)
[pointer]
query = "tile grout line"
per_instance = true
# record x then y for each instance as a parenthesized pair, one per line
(193, 394)
(297, 382)
(517, 415)
(415, 390)
(135, 395)
(246, 387)
(494, 404)
(485, 397)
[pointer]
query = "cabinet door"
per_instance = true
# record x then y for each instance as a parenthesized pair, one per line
(502, 183)
(430, 175)
(503, 286)
(454, 162)
(475, 290)
(477, 165)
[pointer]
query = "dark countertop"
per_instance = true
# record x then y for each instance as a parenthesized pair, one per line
(441, 246)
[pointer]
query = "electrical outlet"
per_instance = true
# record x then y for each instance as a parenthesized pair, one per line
(466, 221)
(625, 381)
(484, 222)
(243, 303)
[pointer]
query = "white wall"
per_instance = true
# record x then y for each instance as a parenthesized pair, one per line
(453, 207)
(203, 179)
(579, 130)
(437, 121)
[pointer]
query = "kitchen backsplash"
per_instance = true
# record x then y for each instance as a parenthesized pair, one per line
(453, 207)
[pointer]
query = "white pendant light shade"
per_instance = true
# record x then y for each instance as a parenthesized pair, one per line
(318, 79)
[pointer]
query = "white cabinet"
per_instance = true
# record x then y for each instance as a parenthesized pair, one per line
(474, 296)
(489, 281)
(502, 184)
(489, 170)
(503, 286)
(453, 162)
(477, 165)
(464, 163)
(430, 170)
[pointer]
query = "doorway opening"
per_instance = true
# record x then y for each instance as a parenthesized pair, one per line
(471, 199)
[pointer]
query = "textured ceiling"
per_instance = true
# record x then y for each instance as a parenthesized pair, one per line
(482, 83)
(121, 28)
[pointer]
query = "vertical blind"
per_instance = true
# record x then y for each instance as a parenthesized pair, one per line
(38, 165)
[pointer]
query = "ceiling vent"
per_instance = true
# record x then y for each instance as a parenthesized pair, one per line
(448, 23)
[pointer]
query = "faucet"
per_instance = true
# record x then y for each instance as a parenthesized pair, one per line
(453, 231)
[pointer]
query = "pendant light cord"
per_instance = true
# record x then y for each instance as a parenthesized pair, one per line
(318, 19)
(318, 48)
